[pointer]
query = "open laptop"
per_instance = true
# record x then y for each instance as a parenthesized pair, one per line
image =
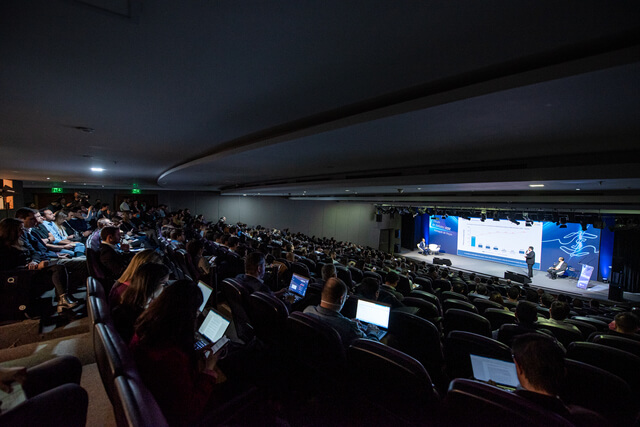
(374, 313)
(212, 331)
(500, 372)
(298, 287)
(206, 293)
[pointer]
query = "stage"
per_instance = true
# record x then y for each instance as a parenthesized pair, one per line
(567, 285)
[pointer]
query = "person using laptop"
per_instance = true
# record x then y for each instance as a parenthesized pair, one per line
(333, 296)
(541, 372)
(180, 378)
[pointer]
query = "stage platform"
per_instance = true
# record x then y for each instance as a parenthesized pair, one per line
(567, 285)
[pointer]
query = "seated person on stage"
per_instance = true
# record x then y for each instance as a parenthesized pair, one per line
(181, 379)
(14, 255)
(368, 289)
(146, 284)
(541, 372)
(142, 257)
(54, 396)
(334, 294)
(422, 247)
(111, 258)
(558, 268)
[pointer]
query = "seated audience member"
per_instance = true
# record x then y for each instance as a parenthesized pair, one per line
(93, 241)
(328, 271)
(142, 257)
(177, 238)
(255, 268)
(513, 293)
(195, 249)
(557, 268)
(541, 372)
(14, 255)
(496, 297)
(390, 284)
(526, 316)
(76, 224)
(368, 289)
(54, 396)
(147, 282)
(111, 258)
(480, 292)
(181, 379)
(39, 230)
(625, 325)
(546, 300)
(558, 312)
(459, 287)
(334, 294)
(58, 234)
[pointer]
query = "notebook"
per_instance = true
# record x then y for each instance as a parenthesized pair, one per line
(374, 313)
(206, 293)
(298, 286)
(501, 372)
(212, 331)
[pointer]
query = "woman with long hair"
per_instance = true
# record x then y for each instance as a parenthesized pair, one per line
(145, 285)
(142, 257)
(179, 378)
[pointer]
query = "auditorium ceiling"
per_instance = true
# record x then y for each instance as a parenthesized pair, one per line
(400, 101)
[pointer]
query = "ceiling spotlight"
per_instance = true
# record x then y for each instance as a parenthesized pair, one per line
(536, 185)
(97, 169)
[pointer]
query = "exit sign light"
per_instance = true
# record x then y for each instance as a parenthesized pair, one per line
(135, 191)
(56, 190)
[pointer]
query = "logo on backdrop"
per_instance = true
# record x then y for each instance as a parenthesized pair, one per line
(573, 244)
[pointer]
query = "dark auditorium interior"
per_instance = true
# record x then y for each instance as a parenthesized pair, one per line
(317, 134)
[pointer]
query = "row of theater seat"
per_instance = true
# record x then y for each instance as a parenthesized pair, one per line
(427, 363)
(133, 403)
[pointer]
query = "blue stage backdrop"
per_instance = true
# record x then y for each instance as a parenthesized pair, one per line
(504, 242)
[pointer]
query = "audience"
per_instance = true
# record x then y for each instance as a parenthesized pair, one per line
(111, 259)
(146, 284)
(181, 379)
(123, 282)
(334, 294)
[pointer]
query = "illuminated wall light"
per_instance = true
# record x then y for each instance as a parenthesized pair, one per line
(536, 185)
(97, 170)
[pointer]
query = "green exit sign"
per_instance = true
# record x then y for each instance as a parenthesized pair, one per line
(56, 190)
(135, 191)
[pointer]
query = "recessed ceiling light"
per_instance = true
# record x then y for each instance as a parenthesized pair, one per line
(419, 188)
(577, 189)
(48, 178)
(244, 195)
(64, 181)
(97, 169)
(347, 190)
(536, 185)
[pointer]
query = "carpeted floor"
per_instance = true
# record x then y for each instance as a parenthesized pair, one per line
(21, 344)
